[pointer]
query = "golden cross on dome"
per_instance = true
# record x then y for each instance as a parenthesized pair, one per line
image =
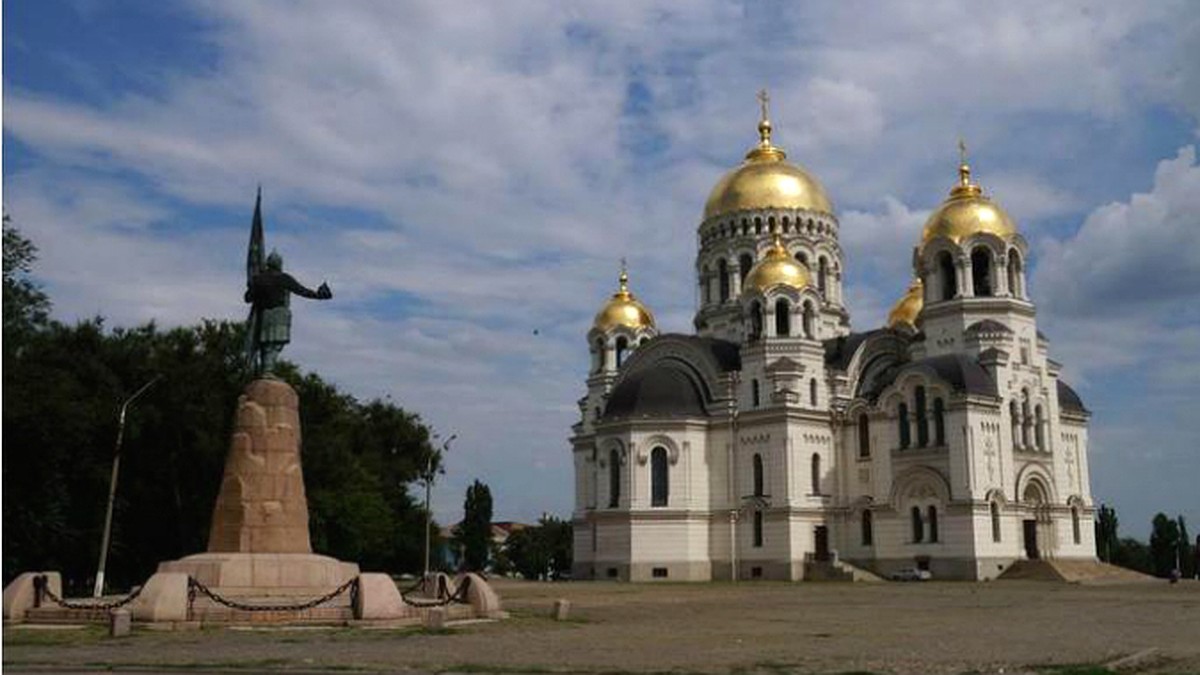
(962, 151)
(964, 169)
(763, 99)
(624, 278)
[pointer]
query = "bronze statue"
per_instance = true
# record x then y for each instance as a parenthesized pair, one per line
(269, 290)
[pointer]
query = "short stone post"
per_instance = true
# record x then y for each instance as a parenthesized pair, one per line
(120, 623)
(562, 608)
(435, 618)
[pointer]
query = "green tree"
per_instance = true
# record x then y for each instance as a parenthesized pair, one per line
(542, 551)
(1133, 554)
(1106, 533)
(1187, 560)
(1164, 545)
(475, 531)
(26, 307)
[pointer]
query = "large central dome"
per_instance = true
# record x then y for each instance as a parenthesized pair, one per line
(766, 180)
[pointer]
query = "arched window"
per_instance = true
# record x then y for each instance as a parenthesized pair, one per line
(754, 400)
(659, 485)
(783, 318)
(918, 526)
(809, 321)
(939, 422)
(922, 421)
(756, 320)
(1014, 274)
(812, 392)
(902, 421)
(981, 272)
(995, 510)
(822, 277)
(868, 536)
(1026, 421)
(1015, 413)
(722, 280)
(745, 262)
(758, 529)
(864, 437)
(801, 258)
(816, 474)
(1075, 533)
(758, 475)
(622, 347)
(933, 524)
(1038, 430)
(614, 479)
(948, 278)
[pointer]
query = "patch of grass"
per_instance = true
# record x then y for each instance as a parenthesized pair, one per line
(1074, 669)
(251, 665)
(16, 637)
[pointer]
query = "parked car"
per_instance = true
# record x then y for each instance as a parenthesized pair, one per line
(910, 574)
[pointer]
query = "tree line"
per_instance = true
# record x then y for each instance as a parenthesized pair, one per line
(62, 387)
(1170, 550)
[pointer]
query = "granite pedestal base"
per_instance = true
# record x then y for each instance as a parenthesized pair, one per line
(263, 575)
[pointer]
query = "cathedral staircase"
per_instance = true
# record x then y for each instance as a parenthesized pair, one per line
(836, 570)
(1073, 571)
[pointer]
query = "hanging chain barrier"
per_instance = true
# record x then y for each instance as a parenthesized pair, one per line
(196, 588)
(444, 596)
(41, 589)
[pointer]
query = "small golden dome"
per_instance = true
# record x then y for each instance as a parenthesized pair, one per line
(906, 310)
(967, 212)
(766, 180)
(776, 267)
(623, 309)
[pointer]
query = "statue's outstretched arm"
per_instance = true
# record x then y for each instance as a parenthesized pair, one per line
(322, 292)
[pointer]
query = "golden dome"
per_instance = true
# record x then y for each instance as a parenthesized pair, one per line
(623, 309)
(906, 310)
(967, 212)
(766, 180)
(776, 267)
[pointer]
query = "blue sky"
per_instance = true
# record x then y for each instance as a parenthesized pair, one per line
(464, 178)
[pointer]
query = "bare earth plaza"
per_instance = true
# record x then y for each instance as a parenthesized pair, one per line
(613, 338)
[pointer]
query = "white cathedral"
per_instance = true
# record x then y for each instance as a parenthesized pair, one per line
(776, 440)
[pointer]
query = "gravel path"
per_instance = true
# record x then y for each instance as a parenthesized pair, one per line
(767, 627)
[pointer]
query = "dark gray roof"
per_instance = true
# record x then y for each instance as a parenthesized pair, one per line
(962, 373)
(660, 391)
(840, 350)
(1068, 400)
(988, 326)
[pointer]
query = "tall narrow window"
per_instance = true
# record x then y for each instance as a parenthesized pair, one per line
(948, 277)
(816, 474)
(783, 318)
(1026, 421)
(622, 348)
(981, 272)
(722, 280)
(614, 479)
(754, 400)
(1075, 533)
(758, 529)
(995, 509)
(756, 320)
(918, 526)
(822, 277)
(922, 421)
(758, 475)
(1014, 411)
(864, 435)
(1038, 430)
(809, 321)
(600, 354)
(659, 478)
(933, 524)
(707, 283)
(902, 421)
(812, 392)
(939, 422)
(745, 262)
(868, 536)
(1014, 274)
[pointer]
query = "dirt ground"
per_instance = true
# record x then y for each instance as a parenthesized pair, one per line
(742, 629)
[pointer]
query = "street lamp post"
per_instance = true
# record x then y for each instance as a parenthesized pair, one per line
(98, 590)
(428, 491)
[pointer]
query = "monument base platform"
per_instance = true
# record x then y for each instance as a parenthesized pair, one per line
(264, 575)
